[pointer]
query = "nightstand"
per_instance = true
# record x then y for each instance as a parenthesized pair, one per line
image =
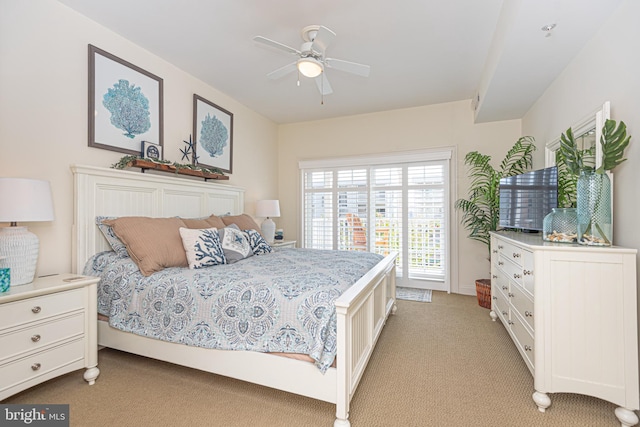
(48, 328)
(279, 244)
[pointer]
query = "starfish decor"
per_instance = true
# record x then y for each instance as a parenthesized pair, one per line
(188, 149)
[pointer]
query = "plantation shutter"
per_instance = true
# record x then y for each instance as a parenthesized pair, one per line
(390, 207)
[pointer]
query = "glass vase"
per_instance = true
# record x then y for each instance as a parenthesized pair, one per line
(561, 225)
(594, 209)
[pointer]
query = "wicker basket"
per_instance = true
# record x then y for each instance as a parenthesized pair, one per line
(483, 290)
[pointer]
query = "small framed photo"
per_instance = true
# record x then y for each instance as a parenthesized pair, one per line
(213, 135)
(125, 104)
(151, 150)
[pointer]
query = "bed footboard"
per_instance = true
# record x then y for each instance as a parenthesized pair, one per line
(362, 312)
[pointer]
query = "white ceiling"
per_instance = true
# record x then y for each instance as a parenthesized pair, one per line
(421, 52)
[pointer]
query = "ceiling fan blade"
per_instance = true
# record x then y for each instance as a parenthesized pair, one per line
(349, 67)
(282, 71)
(272, 43)
(323, 38)
(323, 84)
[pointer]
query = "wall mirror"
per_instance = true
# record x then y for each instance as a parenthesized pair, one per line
(587, 133)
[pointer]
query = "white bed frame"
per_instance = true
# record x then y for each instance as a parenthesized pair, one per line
(362, 310)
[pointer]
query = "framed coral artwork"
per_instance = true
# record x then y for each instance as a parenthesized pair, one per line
(213, 135)
(125, 104)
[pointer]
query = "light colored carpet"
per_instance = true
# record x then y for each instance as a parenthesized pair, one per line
(444, 364)
(413, 294)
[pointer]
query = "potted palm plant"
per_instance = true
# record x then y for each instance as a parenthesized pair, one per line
(480, 211)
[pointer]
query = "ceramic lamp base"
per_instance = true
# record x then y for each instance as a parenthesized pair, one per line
(20, 246)
(268, 230)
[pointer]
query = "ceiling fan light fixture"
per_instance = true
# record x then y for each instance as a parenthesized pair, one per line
(309, 67)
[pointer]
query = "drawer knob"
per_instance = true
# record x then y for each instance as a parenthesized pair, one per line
(527, 348)
(510, 322)
(504, 288)
(511, 295)
(35, 366)
(493, 276)
(35, 338)
(504, 313)
(517, 276)
(528, 272)
(37, 309)
(516, 255)
(528, 314)
(500, 247)
(500, 263)
(495, 251)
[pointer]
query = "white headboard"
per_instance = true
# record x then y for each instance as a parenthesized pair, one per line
(111, 192)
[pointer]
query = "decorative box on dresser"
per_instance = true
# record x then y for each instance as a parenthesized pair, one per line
(571, 311)
(48, 328)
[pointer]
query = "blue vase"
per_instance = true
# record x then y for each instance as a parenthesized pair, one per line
(594, 209)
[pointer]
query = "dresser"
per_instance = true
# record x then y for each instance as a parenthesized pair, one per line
(47, 328)
(571, 311)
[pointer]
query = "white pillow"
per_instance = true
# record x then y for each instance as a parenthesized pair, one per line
(202, 247)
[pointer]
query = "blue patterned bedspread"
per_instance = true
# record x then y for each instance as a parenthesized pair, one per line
(277, 302)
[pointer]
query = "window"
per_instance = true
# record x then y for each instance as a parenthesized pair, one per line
(387, 206)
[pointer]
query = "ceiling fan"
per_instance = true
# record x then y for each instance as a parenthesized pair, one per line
(311, 60)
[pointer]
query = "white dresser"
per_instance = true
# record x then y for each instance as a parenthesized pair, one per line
(571, 311)
(47, 328)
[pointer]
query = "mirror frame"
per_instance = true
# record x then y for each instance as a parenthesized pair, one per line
(594, 120)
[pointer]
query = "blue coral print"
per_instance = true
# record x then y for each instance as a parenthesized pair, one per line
(129, 108)
(213, 136)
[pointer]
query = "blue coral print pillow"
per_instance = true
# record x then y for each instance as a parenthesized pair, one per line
(202, 247)
(259, 246)
(113, 240)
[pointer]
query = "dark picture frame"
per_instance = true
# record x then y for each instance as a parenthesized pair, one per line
(212, 135)
(114, 82)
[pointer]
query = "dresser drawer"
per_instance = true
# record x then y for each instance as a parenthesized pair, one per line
(33, 366)
(39, 335)
(512, 270)
(32, 309)
(522, 304)
(523, 340)
(500, 306)
(512, 252)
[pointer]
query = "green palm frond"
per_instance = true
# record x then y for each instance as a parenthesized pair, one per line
(519, 158)
(481, 210)
(614, 140)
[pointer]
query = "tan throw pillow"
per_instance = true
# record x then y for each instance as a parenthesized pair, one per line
(152, 243)
(244, 222)
(202, 223)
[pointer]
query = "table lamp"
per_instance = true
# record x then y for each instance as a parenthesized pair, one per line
(267, 209)
(22, 200)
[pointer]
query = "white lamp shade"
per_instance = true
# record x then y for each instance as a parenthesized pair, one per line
(22, 200)
(268, 209)
(25, 200)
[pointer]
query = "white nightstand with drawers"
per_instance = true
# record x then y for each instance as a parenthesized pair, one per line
(279, 244)
(48, 328)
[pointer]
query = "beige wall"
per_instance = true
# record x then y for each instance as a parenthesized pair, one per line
(605, 70)
(43, 113)
(432, 126)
